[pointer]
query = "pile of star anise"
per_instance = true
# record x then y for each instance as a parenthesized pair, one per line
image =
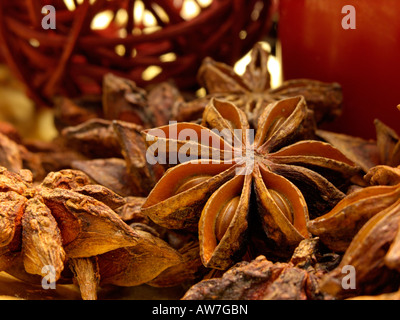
(265, 205)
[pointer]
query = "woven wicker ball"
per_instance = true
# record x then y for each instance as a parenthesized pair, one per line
(146, 41)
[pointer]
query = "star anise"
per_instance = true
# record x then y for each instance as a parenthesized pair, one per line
(337, 228)
(14, 155)
(124, 100)
(252, 91)
(388, 143)
(363, 152)
(116, 155)
(383, 175)
(121, 99)
(71, 112)
(274, 179)
(373, 258)
(365, 226)
(94, 139)
(86, 129)
(378, 160)
(68, 220)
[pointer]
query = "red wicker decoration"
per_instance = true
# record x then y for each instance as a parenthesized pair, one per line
(72, 59)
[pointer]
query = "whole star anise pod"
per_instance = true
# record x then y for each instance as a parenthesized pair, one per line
(236, 181)
(252, 91)
(68, 220)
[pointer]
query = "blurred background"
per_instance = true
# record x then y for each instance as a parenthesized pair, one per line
(145, 41)
(152, 41)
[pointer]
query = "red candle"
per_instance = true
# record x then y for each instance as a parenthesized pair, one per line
(357, 46)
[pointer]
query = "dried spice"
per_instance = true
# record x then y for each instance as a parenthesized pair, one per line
(383, 296)
(65, 218)
(114, 133)
(252, 91)
(52, 156)
(10, 156)
(337, 228)
(15, 156)
(72, 112)
(214, 194)
(383, 175)
(110, 173)
(10, 131)
(121, 99)
(259, 280)
(124, 100)
(143, 174)
(191, 268)
(262, 279)
(363, 152)
(373, 253)
(86, 275)
(385, 150)
(123, 167)
(186, 243)
(365, 226)
(131, 210)
(388, 143)
(137, 264)
(94, 138)
(290, 204)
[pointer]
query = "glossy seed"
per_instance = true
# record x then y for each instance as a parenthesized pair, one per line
(225, 217)
(283, 203)
(191, 182)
